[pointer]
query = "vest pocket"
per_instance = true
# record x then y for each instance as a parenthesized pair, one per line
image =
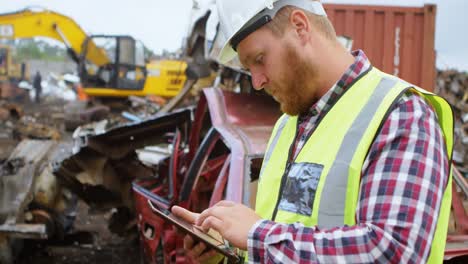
(298, 193)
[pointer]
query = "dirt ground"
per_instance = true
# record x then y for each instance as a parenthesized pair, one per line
(89, 242)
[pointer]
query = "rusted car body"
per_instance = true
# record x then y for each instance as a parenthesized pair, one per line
(222, 164)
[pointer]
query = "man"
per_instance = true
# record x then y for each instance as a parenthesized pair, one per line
(370, 151)
(38, 86)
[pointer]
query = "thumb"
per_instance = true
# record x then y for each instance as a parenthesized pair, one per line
(184, 214)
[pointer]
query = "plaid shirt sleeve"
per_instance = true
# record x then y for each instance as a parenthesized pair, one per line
(402, 185)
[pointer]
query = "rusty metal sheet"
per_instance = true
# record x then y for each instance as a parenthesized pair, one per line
(119, 141)
(456, 246)
(245, 122)
(34, 231)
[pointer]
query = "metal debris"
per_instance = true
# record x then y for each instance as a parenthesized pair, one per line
(28, 128)
(453, 86)
(32, 203)
(105, 160)
(11, 167)
(78, 113)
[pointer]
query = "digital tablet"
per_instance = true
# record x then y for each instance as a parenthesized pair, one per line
(212, 241)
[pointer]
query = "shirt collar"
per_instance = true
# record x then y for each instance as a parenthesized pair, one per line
(361, 64)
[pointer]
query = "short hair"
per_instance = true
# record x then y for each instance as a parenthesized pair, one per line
(321, 23)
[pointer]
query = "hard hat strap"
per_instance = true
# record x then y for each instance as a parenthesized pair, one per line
(267, 14)
(249, 29)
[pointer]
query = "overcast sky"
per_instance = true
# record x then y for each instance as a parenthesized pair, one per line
(162, 24)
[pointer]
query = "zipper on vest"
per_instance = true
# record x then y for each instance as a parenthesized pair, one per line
(286, 172)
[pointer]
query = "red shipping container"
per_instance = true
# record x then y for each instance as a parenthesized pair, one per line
(397, 40)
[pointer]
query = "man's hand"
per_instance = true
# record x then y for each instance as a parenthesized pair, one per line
(233, 221)
(195, 251)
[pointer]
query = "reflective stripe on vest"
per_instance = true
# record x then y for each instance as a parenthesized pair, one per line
(273, 140)
(333, 210)
(336, 152)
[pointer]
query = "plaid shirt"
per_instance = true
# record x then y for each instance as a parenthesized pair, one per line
(401, 188)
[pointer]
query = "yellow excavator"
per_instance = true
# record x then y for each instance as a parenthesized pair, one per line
(9, 69)
(108, 65)
(11, 74)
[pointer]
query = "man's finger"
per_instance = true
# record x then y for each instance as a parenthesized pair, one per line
(213, 222)
(225, 203)
(203, 215)
(198, 249)
(205, 257)
(216, 211)
(188, 242)
(184, 214)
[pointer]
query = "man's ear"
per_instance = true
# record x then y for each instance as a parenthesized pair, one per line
(301, 25)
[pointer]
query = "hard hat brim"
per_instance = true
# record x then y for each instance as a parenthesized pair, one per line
(227, 53)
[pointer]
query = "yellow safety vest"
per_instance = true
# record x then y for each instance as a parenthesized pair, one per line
(328, 167)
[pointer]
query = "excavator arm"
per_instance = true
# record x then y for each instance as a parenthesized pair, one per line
(108, 65)
(45, 23)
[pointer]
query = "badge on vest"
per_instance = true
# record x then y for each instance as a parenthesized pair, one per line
(299, 191)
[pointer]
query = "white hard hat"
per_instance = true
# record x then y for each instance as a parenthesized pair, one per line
(239, 18)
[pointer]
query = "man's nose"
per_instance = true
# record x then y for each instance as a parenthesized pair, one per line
(259, 80)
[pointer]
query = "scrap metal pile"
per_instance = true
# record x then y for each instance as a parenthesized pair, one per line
(15, 125)
(453, 86)
(37, 204)
(32, 204)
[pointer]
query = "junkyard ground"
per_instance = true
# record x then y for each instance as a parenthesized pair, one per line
(89, 242)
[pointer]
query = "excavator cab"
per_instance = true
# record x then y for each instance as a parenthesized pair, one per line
(10, 70)
(3, 62)
(124, 68)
